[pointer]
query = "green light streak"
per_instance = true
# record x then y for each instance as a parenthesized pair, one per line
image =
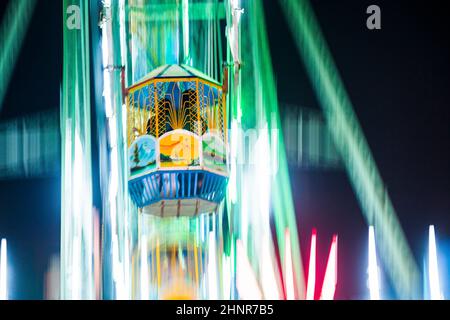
(12, 32)
(164, 11)
(77, 268)
(353, 148)
(254, 105)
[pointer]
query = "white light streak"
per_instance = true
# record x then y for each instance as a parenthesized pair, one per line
(433, 273)
(3, 271)
(330, 279)
(78, 187)
(310, 286)
(226, 277)
(212, 268)
(374, 285)
(246, 282)
(123, 43)
(76, 269)
(289, 273)
(144, 283)
(186, 30)
(77, 223)
(268, 279)
(233, 161)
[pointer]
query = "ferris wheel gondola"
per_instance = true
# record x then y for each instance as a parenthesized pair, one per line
(177, 137)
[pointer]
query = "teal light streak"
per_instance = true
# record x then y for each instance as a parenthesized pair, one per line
(76, 179)
(12, 33)
(254, 105)
(353, 148)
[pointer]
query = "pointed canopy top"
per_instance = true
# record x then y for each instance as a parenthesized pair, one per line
(175, 71)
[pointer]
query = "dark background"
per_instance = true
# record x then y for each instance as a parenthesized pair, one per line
(397, 79)
(30, 209)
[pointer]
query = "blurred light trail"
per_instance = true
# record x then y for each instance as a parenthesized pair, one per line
(288, 271)
(75, 289)
(374, 285)
(77, 249)
(185, 20)
(3, 271)
(114, 168)
(97, 254)
(433, 272)
(256, 106)
(145, 281)
(30, 146)
(353, 148)
(330, 279)
(246, 282)
(311, 284)
(268, 273)
(308, 142)
(52, 279)
(163, 12)
(212, 268)
(226, 277)
(12, 32)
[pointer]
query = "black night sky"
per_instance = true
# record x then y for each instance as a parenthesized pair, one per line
(396, 77)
